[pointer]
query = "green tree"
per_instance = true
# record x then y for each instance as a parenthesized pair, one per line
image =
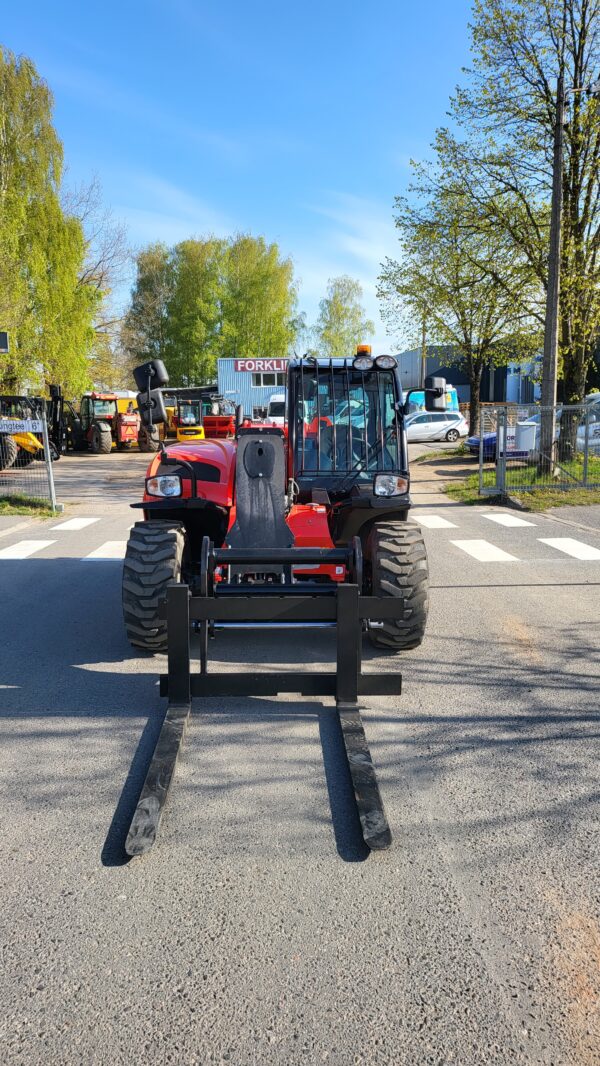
(207, 298)
(259, 300)
(459, 282)
(501, 149)
(342, 323)
(194, 311)
(144, 331)
(45, 305)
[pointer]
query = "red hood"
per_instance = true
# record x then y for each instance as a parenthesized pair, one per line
(219, 453)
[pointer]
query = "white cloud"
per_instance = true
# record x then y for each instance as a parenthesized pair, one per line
(162, 211)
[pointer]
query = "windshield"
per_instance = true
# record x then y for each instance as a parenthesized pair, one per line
(102, 408)
(346, 421)
(189, 412)
(277, 410)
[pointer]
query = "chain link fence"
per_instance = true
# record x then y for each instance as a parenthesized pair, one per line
(524, 448)
(26, 456)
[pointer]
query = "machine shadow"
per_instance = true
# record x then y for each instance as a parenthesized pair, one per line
(345, 823)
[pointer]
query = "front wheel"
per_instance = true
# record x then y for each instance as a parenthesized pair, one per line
(397, 559)
(452, 435)
(154, 560)
(101, 439)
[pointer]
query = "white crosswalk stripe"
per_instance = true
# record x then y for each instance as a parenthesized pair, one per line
(509, 520)
(111, 549)
(24, 548)
(434, 521)
(74, 523)
(576, 548)
(484, 552)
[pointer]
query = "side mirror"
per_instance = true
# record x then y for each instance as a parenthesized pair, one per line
(435, 394)
(239, 416)
(151, 406)
(151, 374)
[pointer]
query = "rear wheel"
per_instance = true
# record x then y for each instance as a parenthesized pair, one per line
(398, 563)
(101, 439)
(8, 451)
(155, 557)
(148, 439)
(452, 434)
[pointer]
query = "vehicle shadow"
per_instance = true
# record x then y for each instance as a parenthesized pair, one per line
(79, 666)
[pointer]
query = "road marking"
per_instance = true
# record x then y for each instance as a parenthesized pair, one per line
(112, 549)
(75, 523)
(24, 548)
(484, 552)
(434, 521)
(570, 547)
(508, 520)
(14, 529)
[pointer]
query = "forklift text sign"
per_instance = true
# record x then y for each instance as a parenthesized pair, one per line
(261, 365)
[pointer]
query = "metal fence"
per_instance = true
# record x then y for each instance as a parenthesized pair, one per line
(524, 448)
(26, 456)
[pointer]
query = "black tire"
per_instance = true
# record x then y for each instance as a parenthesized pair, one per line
(101, 439)
(397, 559)
(148, 439)
(8, 451)
(25, 458)
(452, 435)
(154, 559)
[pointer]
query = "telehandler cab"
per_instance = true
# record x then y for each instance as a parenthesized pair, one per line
(301, 527)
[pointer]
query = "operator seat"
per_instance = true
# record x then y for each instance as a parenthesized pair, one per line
(260, 476)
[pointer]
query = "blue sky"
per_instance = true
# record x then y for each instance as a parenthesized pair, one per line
(294, 121)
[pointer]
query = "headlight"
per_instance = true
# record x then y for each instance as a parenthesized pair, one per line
(362, 362)
(165, 485)
(390, 485)
(385, 362)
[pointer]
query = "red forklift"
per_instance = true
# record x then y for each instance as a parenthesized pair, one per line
(305, 526)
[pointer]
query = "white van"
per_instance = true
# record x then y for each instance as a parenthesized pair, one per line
(276, 410)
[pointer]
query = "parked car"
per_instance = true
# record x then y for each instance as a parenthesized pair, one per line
(433, 425)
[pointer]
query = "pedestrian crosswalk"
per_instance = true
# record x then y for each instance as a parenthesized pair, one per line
(435, 521)
(23, 549)
(84, 538)
(485, 552)
(574, 548)
(111, 549)
(74, 524)
(509, 520)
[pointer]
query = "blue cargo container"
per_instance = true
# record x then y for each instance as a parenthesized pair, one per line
(251, 382)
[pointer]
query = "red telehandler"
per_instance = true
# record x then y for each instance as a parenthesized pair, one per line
(305, 526)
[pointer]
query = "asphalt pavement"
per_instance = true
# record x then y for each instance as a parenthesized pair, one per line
(259, 930)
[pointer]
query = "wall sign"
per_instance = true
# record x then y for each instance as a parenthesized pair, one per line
(260, 365)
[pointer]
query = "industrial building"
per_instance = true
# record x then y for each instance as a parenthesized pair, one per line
(251, 382)
(513, 383)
